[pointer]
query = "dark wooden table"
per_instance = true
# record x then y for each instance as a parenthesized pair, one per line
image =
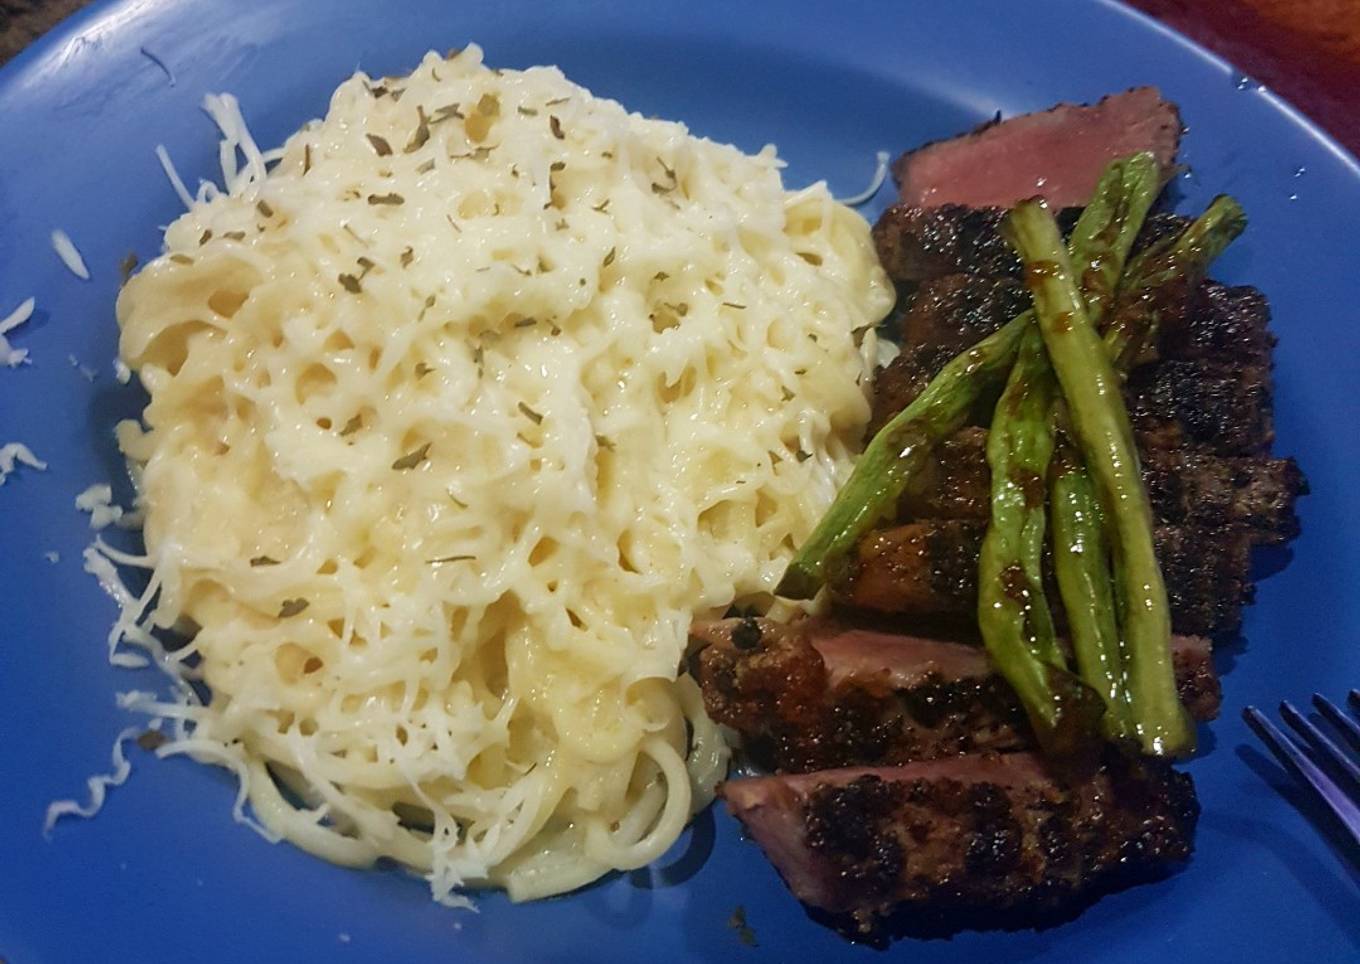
(1308, 51)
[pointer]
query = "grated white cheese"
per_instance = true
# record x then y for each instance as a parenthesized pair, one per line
(168, 166)
(97, 500)
(876, 182)
(99, 784)
(13, 454)
(14, 357)
(121, 371)
(52, 556)
(70, 256)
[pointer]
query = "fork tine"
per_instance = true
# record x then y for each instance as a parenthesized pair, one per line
(1294, 760)
(1325, 746)
(1348, 727)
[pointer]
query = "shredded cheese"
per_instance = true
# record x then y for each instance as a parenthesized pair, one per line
(10, 356)
(97, 500)
(876, 182)
(13, 454)
(98, 785)
(70, 256)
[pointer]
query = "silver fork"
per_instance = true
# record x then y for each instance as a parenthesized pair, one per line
(1342, 800)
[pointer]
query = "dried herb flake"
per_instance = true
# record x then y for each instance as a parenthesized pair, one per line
(350, 283)
(127, 266)
(738, 923)
(264, 561)
(411, 459)
(555, 126)
(443, 559)
(291, 607)
(530, 414)
(263, 207)
(609, 258)
(389, 199)
(407, 256)
(380, 145)
(352, 426)
(152, 740)
(421, 134)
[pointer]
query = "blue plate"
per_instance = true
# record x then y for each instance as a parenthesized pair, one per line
(165, 875)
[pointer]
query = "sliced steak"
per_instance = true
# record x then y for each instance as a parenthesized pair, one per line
(1202, 405)
(929, 567)
(918, 244)
(1209, 406)
(1058, 154)
(949, 314)
(984, 831)
(1185, 488)
(1224, 323)
(953, 312)
(1257, 494)
(814, 694)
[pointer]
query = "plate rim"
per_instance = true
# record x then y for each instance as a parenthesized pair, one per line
(67, 35)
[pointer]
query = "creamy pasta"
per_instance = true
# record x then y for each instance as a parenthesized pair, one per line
(463, 404)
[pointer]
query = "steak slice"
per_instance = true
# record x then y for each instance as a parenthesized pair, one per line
(953, 312)
(1224, 323)
(1203, 405)
(916, 244)
(929, 567)
(1185, 488)
(956, 311)
(1206, 405)
(1057, 154)
(986, 831)
(813, 694)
